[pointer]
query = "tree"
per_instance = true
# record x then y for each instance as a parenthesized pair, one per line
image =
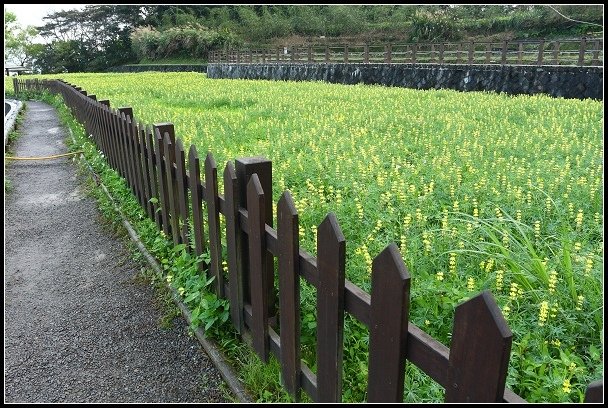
(98, 33)
(18, 44)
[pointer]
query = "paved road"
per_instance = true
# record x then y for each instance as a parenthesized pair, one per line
(78, 326)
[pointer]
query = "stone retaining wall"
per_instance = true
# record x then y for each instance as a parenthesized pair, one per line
(558, 81)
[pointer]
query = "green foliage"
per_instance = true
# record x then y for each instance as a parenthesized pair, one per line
(427, 27)
(192, 41)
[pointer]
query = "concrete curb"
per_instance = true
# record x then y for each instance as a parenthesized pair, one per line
(9, 120)
(208, 345)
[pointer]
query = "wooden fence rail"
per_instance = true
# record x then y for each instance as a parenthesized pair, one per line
(152, 161)
(568, 52)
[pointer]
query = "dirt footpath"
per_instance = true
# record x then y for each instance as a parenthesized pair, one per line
(78, 326)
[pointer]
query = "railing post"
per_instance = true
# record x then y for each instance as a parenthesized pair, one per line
(433, 52)
(479, 353)
(159, 130)
(213, 221)
(503, 57)
(326, 53)
(471, 50)
(414, 49)
(389, 53)
(441, 51)
(556, 53)
(196, 194)
(289, 293)
(346, 53)
(596, 53)
(366, 53)
(331, 252)
(520, 52)
(458, 51)
(245, 168)
(541, 51)
(234, 239)
(390, 299)
(309, 53)
(581, 51)
(488, 52)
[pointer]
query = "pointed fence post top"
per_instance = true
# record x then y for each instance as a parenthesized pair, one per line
(331, 228)
(192, 153)
(484, 303)
(254, 187)
(210, 161)
(286, 205)
(230, 172)
(390, 261)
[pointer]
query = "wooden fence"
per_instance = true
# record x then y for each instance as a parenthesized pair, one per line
(577, 52)
(153, 162)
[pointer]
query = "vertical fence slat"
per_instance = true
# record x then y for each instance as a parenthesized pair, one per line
(139, 177)
(257, 259)
(182, 192)
(213, 217)
(146, 172)
(595, 392)
(171, 186)
(471, 51)
(596, 53)
(161, 172)
(581, 51)
(234, 242)
(520, 52)
(556, 53)
(541, 52)
(196, 196)
(331, 248)
(153, 158)
(289, 293)
(388, 332)
(479, 354)
(245, 168)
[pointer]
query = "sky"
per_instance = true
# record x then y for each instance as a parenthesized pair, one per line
(31, 14)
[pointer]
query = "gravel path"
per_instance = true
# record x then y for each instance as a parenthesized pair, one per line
(78, 326)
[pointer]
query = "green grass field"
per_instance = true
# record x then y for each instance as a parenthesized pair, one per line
(479, 191)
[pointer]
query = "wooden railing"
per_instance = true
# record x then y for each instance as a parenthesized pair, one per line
(571, 52)
(153, 162)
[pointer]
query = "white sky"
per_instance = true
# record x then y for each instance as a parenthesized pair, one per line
(31, 14)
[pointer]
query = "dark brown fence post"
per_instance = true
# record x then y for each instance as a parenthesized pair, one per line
(245, 168)
(289, 293)
(479, 354)
(331, 247)
(414, 50)
(182, 192)
(488, 52)
(161, 172)
(433, 52)
(388, 330)
(153, 159)
(326, 53)
(595, 392)
(596, 53)
(137, 164)
(366, 53)
(458, 52)
(346, 53)
(471, 51)
(441, 51)
(213, 220)
(309, 53)
(556, 53)
(503, 57)
(257, 267)
(541, 51)
(581, 51)
(389, 53)
(169, 144)
(234, 243)
(196, 194)
(147, 173)
(520, 52)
